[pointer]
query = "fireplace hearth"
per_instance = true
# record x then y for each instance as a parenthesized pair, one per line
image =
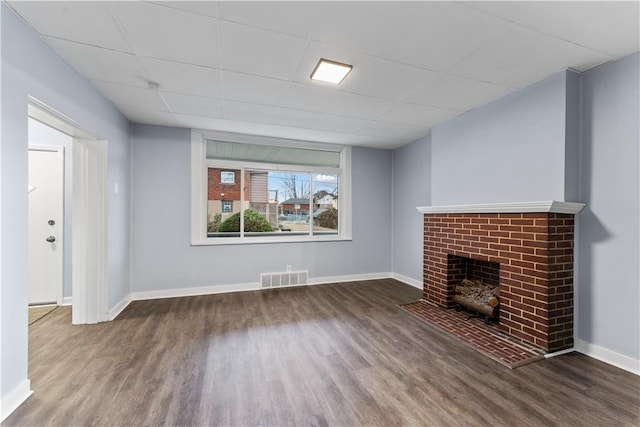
(526, 249)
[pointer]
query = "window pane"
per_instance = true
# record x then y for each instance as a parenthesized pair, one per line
(271, 154)
(291, 190)
(262, 214)
(223, 202)
(325, 204)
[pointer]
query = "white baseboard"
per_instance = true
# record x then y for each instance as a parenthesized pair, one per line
(117, 309)
(408, 280)
(607, 356)
(187, 292)
(559, 353)
(67, 301)
(241, 287)
(14, 398)
(349, 278)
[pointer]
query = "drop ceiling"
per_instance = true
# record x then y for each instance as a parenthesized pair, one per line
(245, 66)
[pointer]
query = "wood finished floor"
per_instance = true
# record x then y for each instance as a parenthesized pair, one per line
(340, 355)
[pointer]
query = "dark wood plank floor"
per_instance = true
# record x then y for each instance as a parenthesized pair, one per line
(340, 355)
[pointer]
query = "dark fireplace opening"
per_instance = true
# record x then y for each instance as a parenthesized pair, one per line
(475, 286)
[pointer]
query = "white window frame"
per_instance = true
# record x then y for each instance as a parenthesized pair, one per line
(199, 182)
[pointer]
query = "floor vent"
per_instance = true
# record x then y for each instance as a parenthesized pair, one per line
(287, 278)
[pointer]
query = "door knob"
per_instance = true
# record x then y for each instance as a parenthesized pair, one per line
(51, 222)
(51, 239)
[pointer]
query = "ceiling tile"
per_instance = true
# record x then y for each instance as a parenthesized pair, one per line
(201, 122)
(444, 91)
(96, 63)
(245, 111)
(249, 88)
(438, 116)
(554, 61)
(370, 76)
(392, 131)
(165, 33)
(132, 96)
(205, 8)
(88, 22)
(446, 34)
(324, 100)
(183, 78)
(137, 114)
(312, 120)
(406, 114)
(290, 17)
(254, 51)
(485, 93)
(504, 55)
(374, 28)
(188, 104)
(590, 24)
(264, 129)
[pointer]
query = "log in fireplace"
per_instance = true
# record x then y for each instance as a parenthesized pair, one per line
(528, 251)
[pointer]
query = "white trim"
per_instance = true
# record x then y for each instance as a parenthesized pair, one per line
(551, 206)
(243, 287)
(300, 238)
(608, 356)
(118, 308)
(408, 280)
(14, 398)
(67, 301)
(350, 278)
(559, 353)
(188, 292)
(41, 112)
(89, 251)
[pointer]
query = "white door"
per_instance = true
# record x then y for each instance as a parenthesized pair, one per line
(46, 188)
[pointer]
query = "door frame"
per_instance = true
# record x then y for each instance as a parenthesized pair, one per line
(89, 259)
(59, 214)
(89, 214)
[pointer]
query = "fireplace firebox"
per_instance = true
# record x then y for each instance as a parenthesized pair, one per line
(476, 285)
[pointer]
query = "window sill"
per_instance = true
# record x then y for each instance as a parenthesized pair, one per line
(267, 240)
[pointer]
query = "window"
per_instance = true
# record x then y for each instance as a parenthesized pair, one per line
(248, 189)
(226, 206)
(227, 177)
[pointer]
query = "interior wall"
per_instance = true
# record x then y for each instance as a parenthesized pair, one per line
(163, 258)
(608, 229)
(31, 68)
(511, 150)
(43, 135)
(411, 188)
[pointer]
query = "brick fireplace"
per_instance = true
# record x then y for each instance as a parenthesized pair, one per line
(526, 247)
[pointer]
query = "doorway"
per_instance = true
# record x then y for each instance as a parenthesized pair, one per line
(46, 225)
(85, 275)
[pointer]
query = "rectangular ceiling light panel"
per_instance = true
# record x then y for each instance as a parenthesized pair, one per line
(330, 71)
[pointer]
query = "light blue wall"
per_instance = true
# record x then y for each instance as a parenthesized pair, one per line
(510, 150)
(572, 139)
(411, 188)
(30, 67)
(609, 228)
(163, 258)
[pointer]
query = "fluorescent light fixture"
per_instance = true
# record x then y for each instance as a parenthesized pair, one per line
(330, 71)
